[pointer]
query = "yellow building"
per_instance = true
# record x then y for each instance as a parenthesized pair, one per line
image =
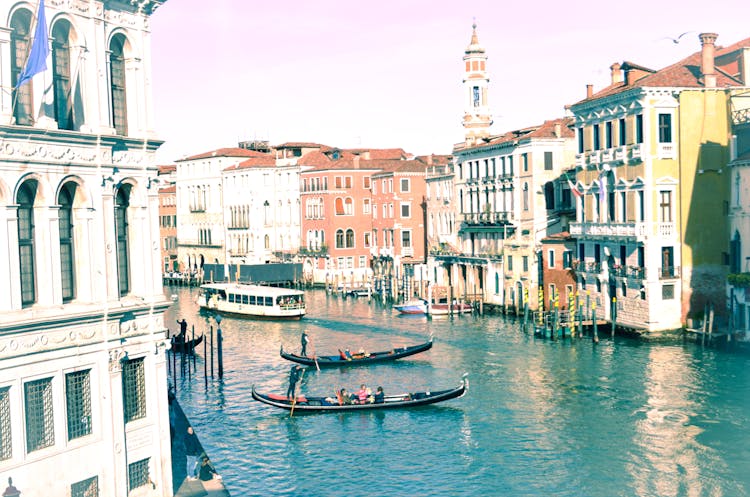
(652, 220)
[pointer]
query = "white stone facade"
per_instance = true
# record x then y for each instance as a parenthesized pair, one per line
(83, 378)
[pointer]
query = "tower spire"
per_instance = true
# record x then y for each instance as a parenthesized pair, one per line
(477, 118)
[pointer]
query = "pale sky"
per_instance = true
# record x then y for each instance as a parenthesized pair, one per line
(388, 74)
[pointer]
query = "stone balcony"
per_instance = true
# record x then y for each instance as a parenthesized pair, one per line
(634, 231)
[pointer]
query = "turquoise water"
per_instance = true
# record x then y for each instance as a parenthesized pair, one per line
(562, 418)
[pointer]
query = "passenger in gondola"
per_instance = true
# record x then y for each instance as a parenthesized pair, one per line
(347, 354)
(379, 396)
(362, 394)
(344, 397)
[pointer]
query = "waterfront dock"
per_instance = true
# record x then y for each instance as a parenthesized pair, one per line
(181, 485)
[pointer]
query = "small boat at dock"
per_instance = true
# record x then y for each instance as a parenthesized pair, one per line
(187, 347)
(333, 404)
(414, 306)
(339, 360)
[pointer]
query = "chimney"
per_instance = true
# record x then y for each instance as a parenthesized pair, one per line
(589, 91)
(616, 71)
(745, 65)
(558, 130)
(707, 59)
(356, 162)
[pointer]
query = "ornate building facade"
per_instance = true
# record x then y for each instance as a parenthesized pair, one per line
(83, 377)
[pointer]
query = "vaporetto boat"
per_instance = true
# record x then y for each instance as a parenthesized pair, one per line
(258, 301)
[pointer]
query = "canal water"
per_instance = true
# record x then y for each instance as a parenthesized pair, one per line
(566, 418)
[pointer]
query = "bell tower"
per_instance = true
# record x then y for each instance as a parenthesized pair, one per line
(477, 119)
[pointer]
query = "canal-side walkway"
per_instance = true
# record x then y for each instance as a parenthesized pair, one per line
(181, 485)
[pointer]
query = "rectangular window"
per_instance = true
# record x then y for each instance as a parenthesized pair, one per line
(367, 240)
(580, 140)
(405, 239)
(525, 162)
(134, 389)
(639, 128)
(405, 209)
(623, 132)
(551, 258)
(337, 182)
(138, 474)
(40, 429)
(641, 257)
(510, 263)
(366, 206)
(608, 134)
(597, 137)
(405, 185)
(548, 161)
(623, 255)
(667, 292)
(366, 182)
(665, 128)
(567, 259)
(78, 398)
(6, 447)
(665, 206)
(85, 488)
(347, 181)
(362, 261)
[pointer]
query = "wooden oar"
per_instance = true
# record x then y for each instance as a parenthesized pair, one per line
(296, 391)
(315, 358)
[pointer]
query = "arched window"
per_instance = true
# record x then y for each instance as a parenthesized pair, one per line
(349, 206)
(267, 242)
(61, 77)
(67, 259)
(350, 238)
(20, 44)
(339, 207)
(122, 202)
(339, 238)
(25, 201)
(117, 85)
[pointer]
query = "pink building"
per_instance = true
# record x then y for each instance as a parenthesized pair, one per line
(336, 219)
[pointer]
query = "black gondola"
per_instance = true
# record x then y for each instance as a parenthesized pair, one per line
(328, 361)
(328, 404)
(187, 347)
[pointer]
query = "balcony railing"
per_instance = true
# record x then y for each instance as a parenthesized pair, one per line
(666, 151)
(487, 217)
(628, 230)
(621, 153)
(669, 272)
(407, 252)
(636, 151)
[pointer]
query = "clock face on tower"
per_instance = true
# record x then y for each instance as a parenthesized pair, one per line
(475, 91)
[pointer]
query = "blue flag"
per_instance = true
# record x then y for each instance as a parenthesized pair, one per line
(39, 49)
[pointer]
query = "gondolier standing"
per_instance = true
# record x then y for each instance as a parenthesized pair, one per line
(182, 337)
(293, 379)
(304, 339)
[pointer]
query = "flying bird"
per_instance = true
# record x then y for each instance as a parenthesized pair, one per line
(676, 40)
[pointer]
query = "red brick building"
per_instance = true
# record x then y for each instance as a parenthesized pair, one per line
(558, 275)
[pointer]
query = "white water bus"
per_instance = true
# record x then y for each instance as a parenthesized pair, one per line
(252, 300)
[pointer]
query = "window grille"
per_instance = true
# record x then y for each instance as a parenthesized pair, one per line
(6, 447)
(134, 389)
(85, 488)
(40, 432)
(78, 393)
(138, 474)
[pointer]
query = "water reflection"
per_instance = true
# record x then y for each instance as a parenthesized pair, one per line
(669, 456)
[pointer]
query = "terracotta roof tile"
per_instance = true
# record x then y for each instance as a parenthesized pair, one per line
(685, 73)
(267, 161)
(226, 152)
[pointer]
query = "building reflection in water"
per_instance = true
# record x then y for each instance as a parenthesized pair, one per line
(668, 457)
